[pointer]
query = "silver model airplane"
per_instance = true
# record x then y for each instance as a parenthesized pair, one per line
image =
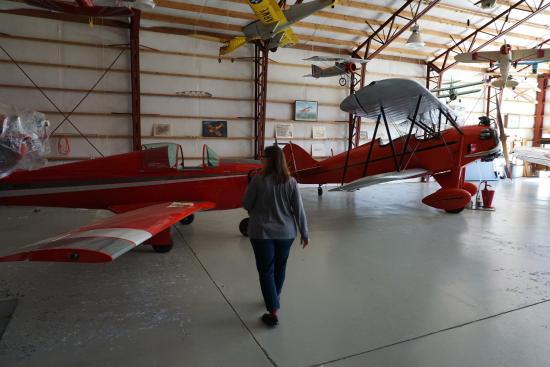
(273, 24)
(453, 90)
(343, 67)
(505, 57)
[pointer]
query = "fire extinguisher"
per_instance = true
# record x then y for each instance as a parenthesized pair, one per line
(487, 194)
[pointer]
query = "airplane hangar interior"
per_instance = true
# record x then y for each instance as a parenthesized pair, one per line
(275, 183)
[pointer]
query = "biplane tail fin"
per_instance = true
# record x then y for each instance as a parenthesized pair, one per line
(298, 159)
(315, 71)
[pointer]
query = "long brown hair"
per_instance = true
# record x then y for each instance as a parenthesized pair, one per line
(276, 164)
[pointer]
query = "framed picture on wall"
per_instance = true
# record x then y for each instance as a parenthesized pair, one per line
(318, 132)
(283, 131)
(305, 110)
(214, 129)
(162, 129)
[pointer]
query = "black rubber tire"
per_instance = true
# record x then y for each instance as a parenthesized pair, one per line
(243, 227)
(455, 211)
(342, 82)
(188, 220)
(320, 191)
(162, 249)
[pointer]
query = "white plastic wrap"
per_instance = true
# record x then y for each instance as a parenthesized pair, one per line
(23, 139)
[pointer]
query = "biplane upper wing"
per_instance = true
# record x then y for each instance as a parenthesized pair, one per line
(536, 54)
(267, 11)
(107, 239)
(476, 57)
(381, 178)
(398, 98)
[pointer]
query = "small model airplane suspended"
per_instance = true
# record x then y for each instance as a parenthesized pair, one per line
(431, 150)
(343, 67)
(94, 8)
(273, 24)
(505, 58)
(453, 90)
(148, 190)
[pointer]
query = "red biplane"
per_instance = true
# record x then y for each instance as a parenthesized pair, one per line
(430, 146)
(149, 190)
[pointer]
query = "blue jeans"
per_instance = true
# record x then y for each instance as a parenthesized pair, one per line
(271, 257)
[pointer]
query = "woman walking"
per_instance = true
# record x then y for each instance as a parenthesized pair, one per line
(275, 206)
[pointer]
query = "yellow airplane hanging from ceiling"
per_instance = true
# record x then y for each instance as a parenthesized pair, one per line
(273, 24)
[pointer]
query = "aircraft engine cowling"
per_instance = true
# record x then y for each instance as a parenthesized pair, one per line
(351, 67)
(450, 200)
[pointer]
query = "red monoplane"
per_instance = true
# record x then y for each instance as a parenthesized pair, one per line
(429, 148)
(149, 190)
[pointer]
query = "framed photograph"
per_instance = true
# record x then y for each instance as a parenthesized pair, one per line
(318, 150)
(283, 131)
(305, 110)
(162, 129)
(319, 132)
(214, 129)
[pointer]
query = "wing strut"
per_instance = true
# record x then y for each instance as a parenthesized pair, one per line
(371, 146)
(389, 138)
(410, 130)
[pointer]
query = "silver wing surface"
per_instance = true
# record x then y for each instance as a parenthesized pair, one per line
(381, 178)
(398, 98)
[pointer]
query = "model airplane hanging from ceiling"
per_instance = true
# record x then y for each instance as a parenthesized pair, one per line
(343, 67)
(454, 91)
(94, 8)
(149, 190)
(273, 24)
(433, 149)
(505, 58)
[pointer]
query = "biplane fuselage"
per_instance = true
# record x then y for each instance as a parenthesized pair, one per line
(442, 156)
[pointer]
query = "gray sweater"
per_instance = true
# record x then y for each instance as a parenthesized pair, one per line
(274, 209)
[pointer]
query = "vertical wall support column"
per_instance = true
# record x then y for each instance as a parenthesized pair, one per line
(135, 78)
(261, 61)
(539, 108)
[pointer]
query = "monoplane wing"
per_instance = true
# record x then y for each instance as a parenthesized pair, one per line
(288, 38)
(381, 178)
(476, 57)
(337, 59)
(108, 238)
(536, 54)
(267, 11)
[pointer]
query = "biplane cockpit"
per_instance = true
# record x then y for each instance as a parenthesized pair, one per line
(170, 155)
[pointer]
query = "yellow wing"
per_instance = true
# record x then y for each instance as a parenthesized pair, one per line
(289, 39)
(268, 11)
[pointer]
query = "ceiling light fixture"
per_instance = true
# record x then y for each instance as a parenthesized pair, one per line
(415, 39)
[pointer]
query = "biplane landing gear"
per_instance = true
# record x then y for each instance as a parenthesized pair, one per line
(188, 220)
(454, 211)
(243, 227)
(320, 190)
(162, 249)
(342, 81)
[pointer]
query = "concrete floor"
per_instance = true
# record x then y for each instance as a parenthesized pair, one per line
(386, 281)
